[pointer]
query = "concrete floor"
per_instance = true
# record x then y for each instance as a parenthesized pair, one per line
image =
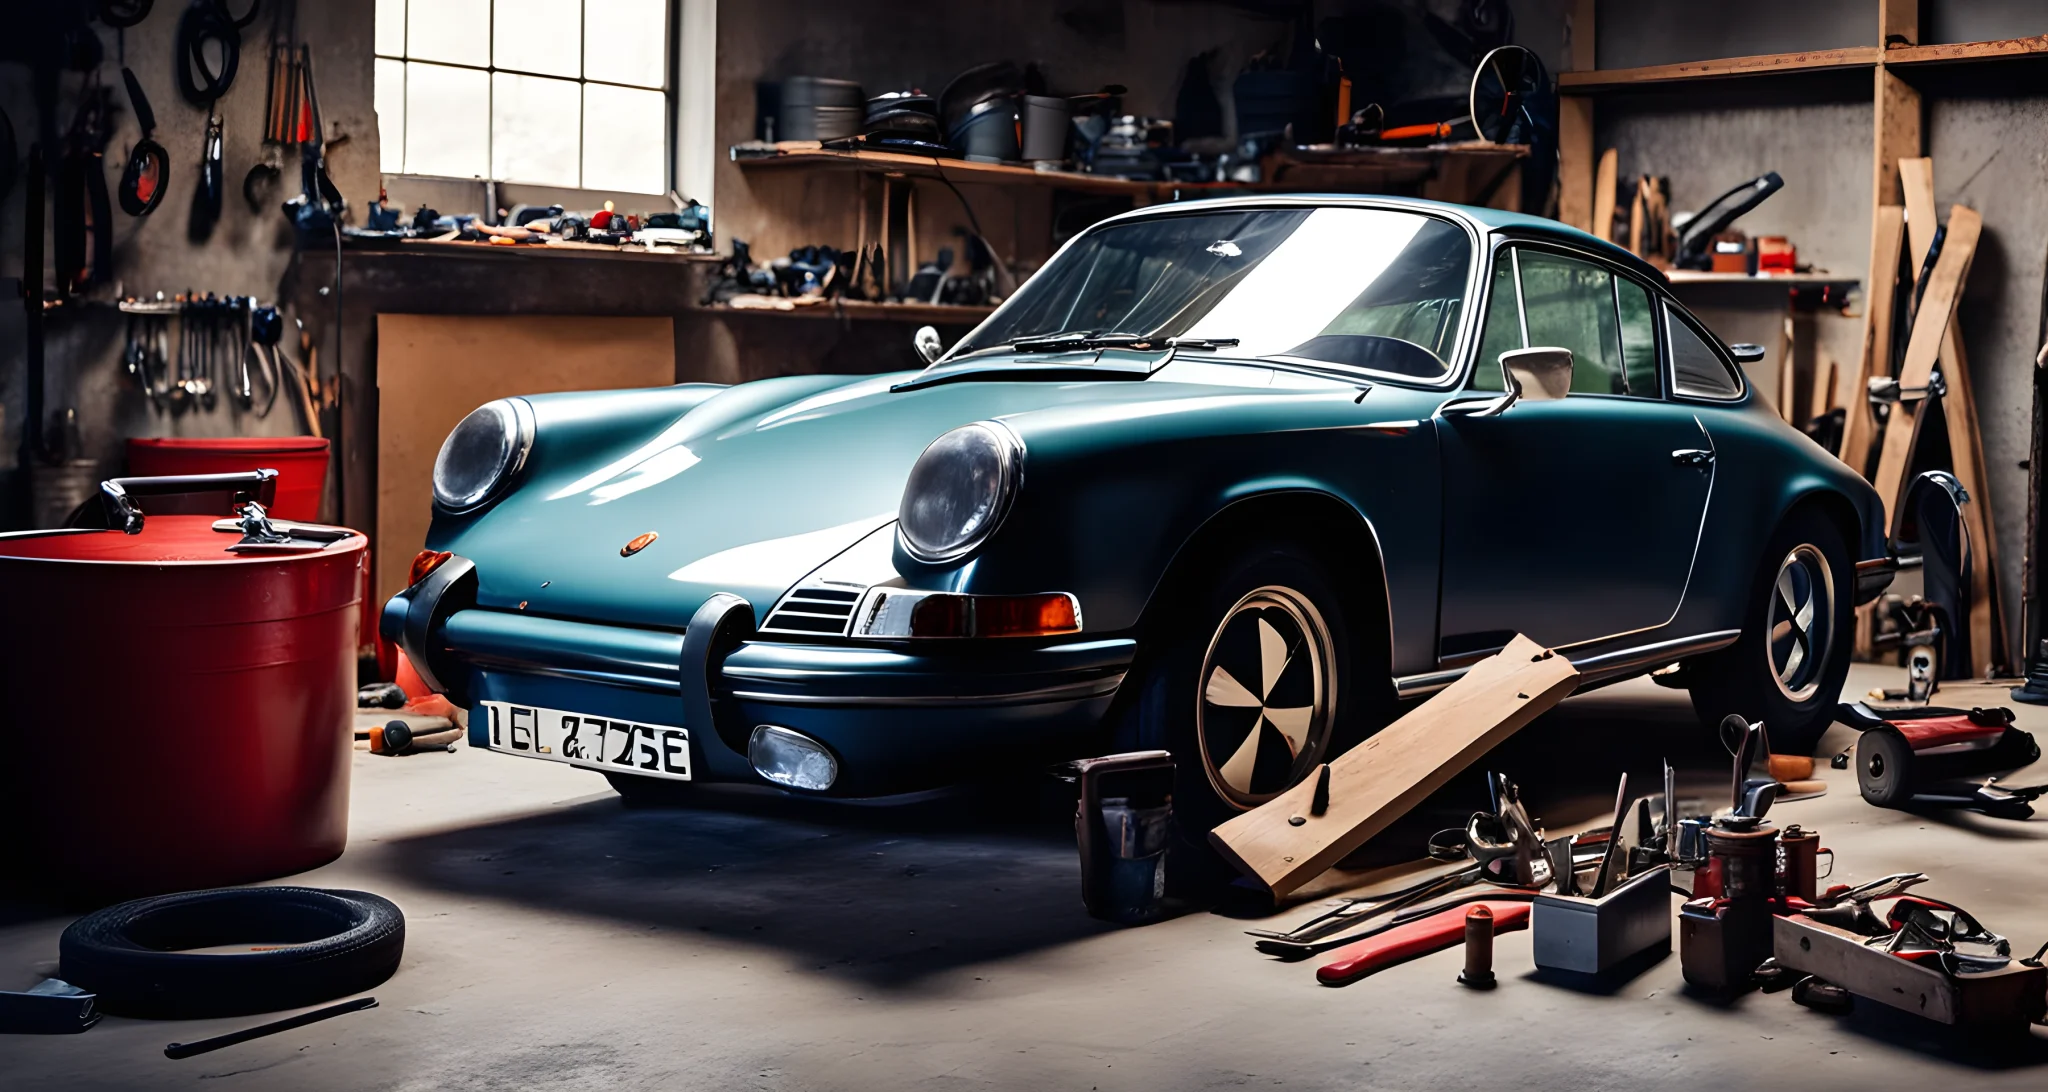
(556, 940)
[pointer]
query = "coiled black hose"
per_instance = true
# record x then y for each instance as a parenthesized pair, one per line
(209, 21)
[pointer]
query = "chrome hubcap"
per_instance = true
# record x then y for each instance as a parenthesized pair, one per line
(1268, 690)
(1802, 622)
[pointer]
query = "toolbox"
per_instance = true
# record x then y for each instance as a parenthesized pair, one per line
(1594, 935)
(2012, 996)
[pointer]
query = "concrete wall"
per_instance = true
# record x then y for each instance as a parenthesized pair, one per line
(248, 253)
(1986, 128)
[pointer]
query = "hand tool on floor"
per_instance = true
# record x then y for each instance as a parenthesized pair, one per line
(1347, 912)
(202, 1046)
(1478, 972)
(1417, 938)
(50, 1007)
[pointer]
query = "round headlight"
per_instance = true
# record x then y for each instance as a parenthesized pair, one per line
(483, 453)
(959, 490)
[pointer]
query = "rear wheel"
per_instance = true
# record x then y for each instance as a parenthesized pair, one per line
(1252, 685)
(1788, 666)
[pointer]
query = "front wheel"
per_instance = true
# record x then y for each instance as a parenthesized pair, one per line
(1788, 666)
(1253, 684)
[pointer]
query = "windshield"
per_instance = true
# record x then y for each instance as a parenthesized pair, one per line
(1365, 288)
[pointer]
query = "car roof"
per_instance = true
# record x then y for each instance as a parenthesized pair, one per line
(1518, 225)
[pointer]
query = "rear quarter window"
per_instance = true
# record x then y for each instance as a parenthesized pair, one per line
(1697, 370)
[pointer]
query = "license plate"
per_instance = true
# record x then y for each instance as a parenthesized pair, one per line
(597, 743)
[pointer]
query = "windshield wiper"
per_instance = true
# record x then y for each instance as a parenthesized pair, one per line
(1210, 344)
(1080, 339)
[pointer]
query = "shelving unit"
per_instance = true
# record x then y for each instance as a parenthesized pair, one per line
(1358, 170)
(937, 314)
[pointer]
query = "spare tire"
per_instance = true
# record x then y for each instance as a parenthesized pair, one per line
(138, 956)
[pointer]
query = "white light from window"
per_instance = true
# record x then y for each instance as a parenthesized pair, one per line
(456, 31)
(541, 36)
(623, 145)
(625, 41)
(448, 113)
(390, 102)
(534, 123)
(390, 35)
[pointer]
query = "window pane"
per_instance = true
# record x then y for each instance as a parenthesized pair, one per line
(1413, 305)
(390, 100)
(626, 41)
(391, 27)
(534, 126)
(1696, 369)
(625, 139)
(541, 36)
(1638, 339)
(1503, 327)
(458, 31)
(448, 114)
(1570, 304)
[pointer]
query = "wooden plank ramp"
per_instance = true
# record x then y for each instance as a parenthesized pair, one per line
(1284, 843)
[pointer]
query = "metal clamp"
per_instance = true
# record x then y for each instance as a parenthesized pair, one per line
(117, 495)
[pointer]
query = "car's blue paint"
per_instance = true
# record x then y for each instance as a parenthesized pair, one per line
(1567, 520)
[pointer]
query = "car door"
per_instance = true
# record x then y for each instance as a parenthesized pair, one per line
(1575, 519)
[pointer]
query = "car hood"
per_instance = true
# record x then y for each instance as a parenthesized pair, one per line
(747, 492)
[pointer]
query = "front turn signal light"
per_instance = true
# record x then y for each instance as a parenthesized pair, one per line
(896, 612)
(424, 563)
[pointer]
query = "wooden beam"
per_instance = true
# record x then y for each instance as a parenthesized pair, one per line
(1916, 178)
(1898, 23)
(1887, 236)
(1930, 327)
(1585, 42)
(1768, 64)
(1577, 193)
(1966, 454)
(1958, 52)
(1284, 844)
(1897, 134)
(1603, 194)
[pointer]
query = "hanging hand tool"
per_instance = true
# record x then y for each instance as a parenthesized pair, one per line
(84, 230)
(206, 202)
(208, 27)
(1417, 938)
(149, 166)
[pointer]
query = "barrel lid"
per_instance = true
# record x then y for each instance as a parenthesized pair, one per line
(166, 538)
(239, 445)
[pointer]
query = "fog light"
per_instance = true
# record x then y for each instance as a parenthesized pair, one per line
(791, 758)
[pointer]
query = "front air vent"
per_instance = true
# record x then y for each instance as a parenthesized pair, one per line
(815, 610)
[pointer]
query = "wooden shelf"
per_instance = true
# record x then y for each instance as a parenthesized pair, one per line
(1780, 280)
(1962, 52)
(937, 314)
(1318, 168)
(1813, 60)
(1767, 64)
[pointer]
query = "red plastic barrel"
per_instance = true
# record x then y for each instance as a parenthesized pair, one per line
(300, 462)
(176, 716)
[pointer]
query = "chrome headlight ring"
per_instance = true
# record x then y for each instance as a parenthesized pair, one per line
(959, 491)
(483, 454)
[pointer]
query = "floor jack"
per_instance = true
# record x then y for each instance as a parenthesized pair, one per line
(1941, 758)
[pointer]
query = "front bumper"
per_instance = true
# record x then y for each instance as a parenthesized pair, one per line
(897, 719)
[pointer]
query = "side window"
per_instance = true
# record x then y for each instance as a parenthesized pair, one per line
(1638, 339)
(1570, 304)
(1696, 369)
(1503, 326)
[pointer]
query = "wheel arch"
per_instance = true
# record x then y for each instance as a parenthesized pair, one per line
(1337, 532)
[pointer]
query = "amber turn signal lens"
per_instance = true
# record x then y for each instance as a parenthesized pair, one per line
(639, 543)
(1041, 615)
(424, 563)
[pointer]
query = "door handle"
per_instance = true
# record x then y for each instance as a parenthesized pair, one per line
(1692, 456)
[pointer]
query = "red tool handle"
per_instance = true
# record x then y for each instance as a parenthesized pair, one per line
(1416, 938)
(1435, 129)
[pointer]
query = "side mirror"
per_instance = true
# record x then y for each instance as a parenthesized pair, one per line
(1541, 374)
(926, 342)
(1746, 353)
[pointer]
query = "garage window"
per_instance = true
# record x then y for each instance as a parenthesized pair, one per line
(571, 93)
(1696, 369)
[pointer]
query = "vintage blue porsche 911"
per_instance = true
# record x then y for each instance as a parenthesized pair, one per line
(1232, 478)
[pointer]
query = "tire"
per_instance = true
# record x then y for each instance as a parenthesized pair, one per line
(1884, 767)
(651, 792)
(136, 955)
(1231, 752)
(1775, 672)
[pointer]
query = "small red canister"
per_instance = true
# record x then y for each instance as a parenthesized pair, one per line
(178, 715)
